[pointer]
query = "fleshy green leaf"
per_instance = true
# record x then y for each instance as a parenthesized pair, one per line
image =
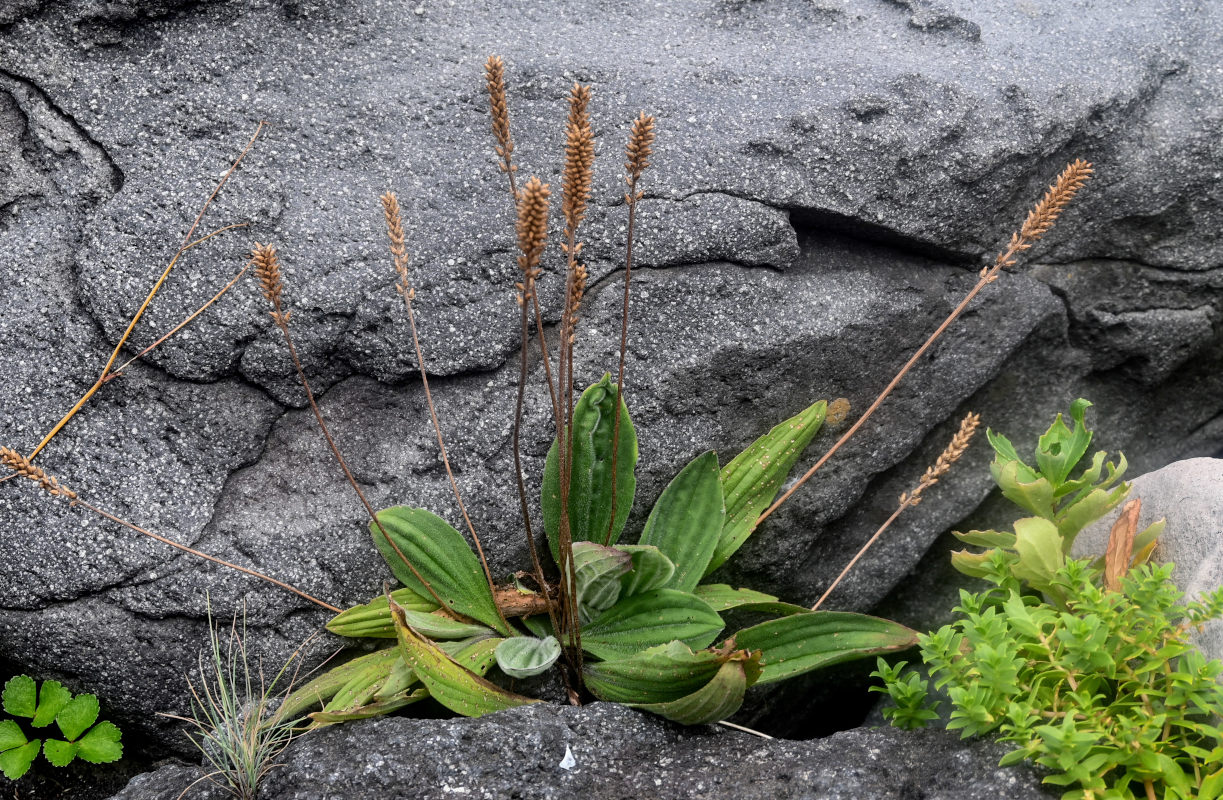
(650, 619)
(751, 480)
(1086, 510)
(1004, 454)
(590, 490)
(11, 735)
(52, 697)
(1034, 495)
(16, 762)
(373, 620)
(524, 656)
(59, 753)
(686, 521)
(20, 696)
(651, 569)
(101, 745)
(443, 558)
(1039, 546)
(986, 538)
(657, 675)
(76, 717)
(971, 564)
(722, 597)
(714, 701)
(801, 643)
(1060, 448)
(448, 682)
(598, 570)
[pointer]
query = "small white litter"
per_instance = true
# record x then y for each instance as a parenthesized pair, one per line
(568, 762)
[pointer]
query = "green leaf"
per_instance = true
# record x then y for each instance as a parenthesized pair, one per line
(721, 597)
(590, 491)
(1004, 454)
(971, 564)
(477, 657)
(1060, 448)
(651, 569)
(686, 521)
(370, 681)
(373, 620)
(986, 538)
(11, 735)
(656, 675)
(793, 645)
(524, 656)
(1078, 515)
(52, 697)
(452, 685)
(378, 708)
(436, 626)
(653, 618)
(20, 696)
(75, 717)
(598, 570)
(540, 625)
(59, 753)
(714, 701)
(15, 763)
(1039, 546)
(751, 480)
(323, 688)
(1035, 495)
(443, 558)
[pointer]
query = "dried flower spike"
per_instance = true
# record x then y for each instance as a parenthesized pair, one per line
(639, 149)
(394, 231)
(1042, 216)
(267, 270)
(579, 157)
(532, 230)
(959, 443)
(22, 466)
(494, 78)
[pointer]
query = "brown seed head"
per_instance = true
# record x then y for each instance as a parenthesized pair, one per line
(1042, 216)
(494, 77)
(639, 149)
(267, 270)
(577, 288)
(579, 157)
(22, 466)
(399, 251)
(959, 443)
(532, 230)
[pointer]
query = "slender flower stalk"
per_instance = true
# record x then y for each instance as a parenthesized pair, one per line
(637, 158)
(959, 444)
(394, 228)
(1038, 222)
(21, 466)
(267, 270)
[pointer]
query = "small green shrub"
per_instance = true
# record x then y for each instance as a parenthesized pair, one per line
(74, 716)
(1100, 686)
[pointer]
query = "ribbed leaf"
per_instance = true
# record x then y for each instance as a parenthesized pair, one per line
(367, 683)
(373, 620)
(590, 494)
(322, 689)
(524, 656)
(714, 701)
(793, 645)
(686, 521)
(650, 619)
(598, 570)
(722, 597)
(451, 684)
(751, 480)
(381, 706)
(651, 569)
(443, 558)
(656, 675)
(540, 625)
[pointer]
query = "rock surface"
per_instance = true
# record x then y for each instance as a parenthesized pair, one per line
(828, 178)
(607, 752)
(1189, 495)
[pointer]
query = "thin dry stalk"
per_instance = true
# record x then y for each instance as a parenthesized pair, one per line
(532, 230)
(394, 227)
(959, 444)
(1039, 220)
(577, 179)
(637, 158)
(187, 243)
(21, 466)
(267, 270)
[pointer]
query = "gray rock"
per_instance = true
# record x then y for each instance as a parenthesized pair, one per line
(1189, 495)
(616, 753)
(827, 179)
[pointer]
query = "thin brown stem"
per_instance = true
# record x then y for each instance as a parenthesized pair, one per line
(107, 515)
(187, 242)
(859, 555)
(1038, 222)
(628, 273)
